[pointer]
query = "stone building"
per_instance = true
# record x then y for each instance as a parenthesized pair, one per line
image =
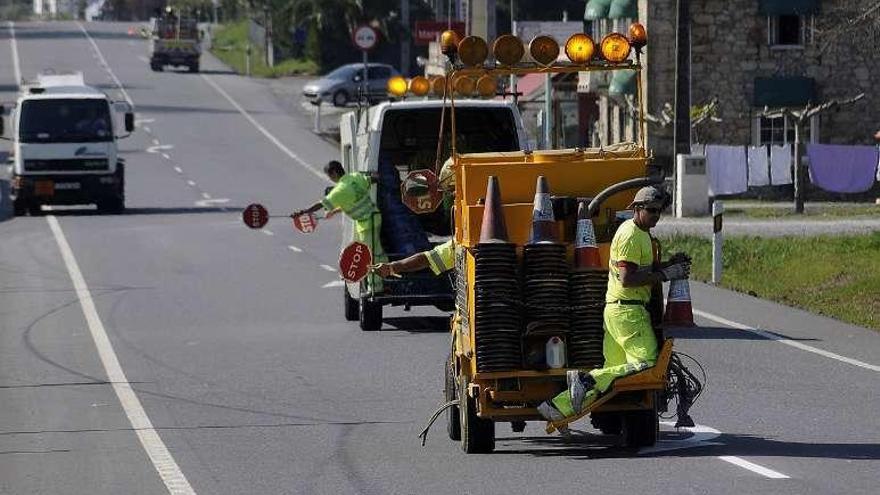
(756, 53)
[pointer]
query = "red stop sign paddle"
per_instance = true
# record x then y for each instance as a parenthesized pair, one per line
(420, 191)
(355, 261)
(255, 216)
(305, 223)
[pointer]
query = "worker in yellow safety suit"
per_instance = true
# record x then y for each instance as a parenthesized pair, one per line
(351, 195)
(629, 344)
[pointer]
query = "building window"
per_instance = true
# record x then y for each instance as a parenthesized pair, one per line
(780, 131)
(787, 31)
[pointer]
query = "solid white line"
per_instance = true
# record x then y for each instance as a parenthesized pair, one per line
(751, 466)
(105, 64)
(789, 342)
(16, 65)
(294, 249)
(328, 268)
(161, 457)
(267, 232)
(263, 130)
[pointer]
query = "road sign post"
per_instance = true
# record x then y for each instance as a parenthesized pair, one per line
(365, 38)
(717, 241)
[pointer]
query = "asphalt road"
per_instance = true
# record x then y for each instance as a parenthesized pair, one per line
(172, 350)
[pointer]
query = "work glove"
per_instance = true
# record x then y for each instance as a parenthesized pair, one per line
(679, 257)
(676, 271)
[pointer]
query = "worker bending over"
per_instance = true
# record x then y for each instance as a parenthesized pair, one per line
(629, 344)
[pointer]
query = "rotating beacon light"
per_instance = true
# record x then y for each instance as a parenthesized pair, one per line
(580, 48)
(508, 50)
(397, 86)
(487, 87)
(638, 37)
(438, 86)
(465, 86)
(419, 86)
(544, 49)
(615, 48)
(449, 40)
(472, 51)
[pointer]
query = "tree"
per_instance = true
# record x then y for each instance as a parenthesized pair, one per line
(848, 25)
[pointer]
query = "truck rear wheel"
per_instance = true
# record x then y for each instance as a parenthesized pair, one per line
(156, 67)
(19, 208)
(607, 423)
(640, 428)
(453, 421)
(352, 309)
(370, 315)
(477, 434)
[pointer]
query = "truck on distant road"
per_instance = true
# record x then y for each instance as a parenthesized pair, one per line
(391, 140)
(64, 145)
(175, 41)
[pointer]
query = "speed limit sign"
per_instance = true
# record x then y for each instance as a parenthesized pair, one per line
(365, 37)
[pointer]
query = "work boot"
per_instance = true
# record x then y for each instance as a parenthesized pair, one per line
(580, 384)
(550, 413)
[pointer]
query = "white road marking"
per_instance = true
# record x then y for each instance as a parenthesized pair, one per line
(328, 268)
(144, 121)
(157, 149)
(178, 170)
(267, 232)
(147, 129)
(263, 130)
(156, 142)
(206, 195)
(204, 203)
(755, 468)
(335, 283)
(161, 457)
(105, 64)
(166, 156)
(295, 249)
(16, 65)
(141, 57)
(192, 183)
(783, 340)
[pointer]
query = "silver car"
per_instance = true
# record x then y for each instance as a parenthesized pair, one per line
(345, 83)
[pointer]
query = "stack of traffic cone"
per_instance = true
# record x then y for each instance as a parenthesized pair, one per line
(679, 312)
(586, 252)
(493, 229)
(543, 221)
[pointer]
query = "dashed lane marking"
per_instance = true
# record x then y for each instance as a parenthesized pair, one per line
(178, 170)
(267, 232)
(294, 249)
(335, 283)
(192, 183)
(751, 466)
(328, 268)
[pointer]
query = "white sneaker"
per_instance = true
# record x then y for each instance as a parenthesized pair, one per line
(577, 390)
(550, 413)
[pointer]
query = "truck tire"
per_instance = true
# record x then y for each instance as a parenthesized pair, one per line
(453, 421)
(607, 423)
(370, 315)
(35, 209)
(156, 67)
(352, 308)
(115, 205)
(477, 434)
(640, 428)
(19, 207)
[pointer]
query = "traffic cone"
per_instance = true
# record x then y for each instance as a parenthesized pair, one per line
(679, 312)
(543, 221)
(586, 252)
(493, 229)
(131, 31)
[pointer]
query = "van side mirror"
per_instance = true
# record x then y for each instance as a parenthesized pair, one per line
(129, 122)
(357, 78)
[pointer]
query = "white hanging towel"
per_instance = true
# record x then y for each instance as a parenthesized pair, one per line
(759, 166)
(780, 164)
(726, 167)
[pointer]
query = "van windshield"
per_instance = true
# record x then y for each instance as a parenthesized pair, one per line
(65, 121)
(409, 136)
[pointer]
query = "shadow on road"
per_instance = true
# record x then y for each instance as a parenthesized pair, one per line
(185, 109)
(418, 324)
(217, 72)
(722, 333)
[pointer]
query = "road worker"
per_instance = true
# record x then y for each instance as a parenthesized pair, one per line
(351, 195)
(629, 344)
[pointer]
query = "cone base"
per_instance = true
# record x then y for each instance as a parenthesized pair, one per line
(679, 314)
(586, 258)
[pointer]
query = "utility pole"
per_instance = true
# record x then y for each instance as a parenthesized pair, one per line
(269, 48)
(405, 38)
(681, 135)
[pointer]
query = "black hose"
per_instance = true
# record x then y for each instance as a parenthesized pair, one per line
(609, 191)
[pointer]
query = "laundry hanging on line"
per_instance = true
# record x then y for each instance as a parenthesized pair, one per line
(727, 169)
(759, 166)
(780, 164)
(842, 168)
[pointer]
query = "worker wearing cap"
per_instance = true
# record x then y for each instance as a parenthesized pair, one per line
(629, 344)
(439, 259)
(351, 195)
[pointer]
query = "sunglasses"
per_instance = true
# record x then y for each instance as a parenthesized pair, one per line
(653, 210)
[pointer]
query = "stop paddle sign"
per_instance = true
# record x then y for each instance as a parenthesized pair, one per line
(420, 191)
(355, 261)
(305, 223)
(255, 216)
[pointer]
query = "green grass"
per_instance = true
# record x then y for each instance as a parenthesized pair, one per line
(833, 276)
(230, 43)
(810, 212)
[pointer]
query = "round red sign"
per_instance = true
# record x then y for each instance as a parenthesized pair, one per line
(255, 216)
(365, 37)
(305, 223)
(420, 191)
(355, 261)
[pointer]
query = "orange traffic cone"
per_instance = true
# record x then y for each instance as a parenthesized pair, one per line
(586, 252)
(679, 312)
(543, 221)
(493, 229)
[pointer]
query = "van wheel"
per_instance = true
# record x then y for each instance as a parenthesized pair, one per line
(370, 315)
(35, 210)
(352, 309)
(453, 421)
(340, 98)
(112, 206)
(477, 434)
(194, 68)
(19, 208)
(156, 67)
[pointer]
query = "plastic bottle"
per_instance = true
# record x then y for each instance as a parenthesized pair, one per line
(555, 352)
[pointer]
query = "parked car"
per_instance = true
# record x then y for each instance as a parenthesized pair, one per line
(344, 84)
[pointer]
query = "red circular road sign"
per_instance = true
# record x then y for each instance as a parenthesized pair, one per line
(255, 216)
(305, 223)
(420, 191)
(365, 37)
(355, 261)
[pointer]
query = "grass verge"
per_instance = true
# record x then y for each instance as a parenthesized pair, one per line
(230, 42)
(819, 212)
(834, 276)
